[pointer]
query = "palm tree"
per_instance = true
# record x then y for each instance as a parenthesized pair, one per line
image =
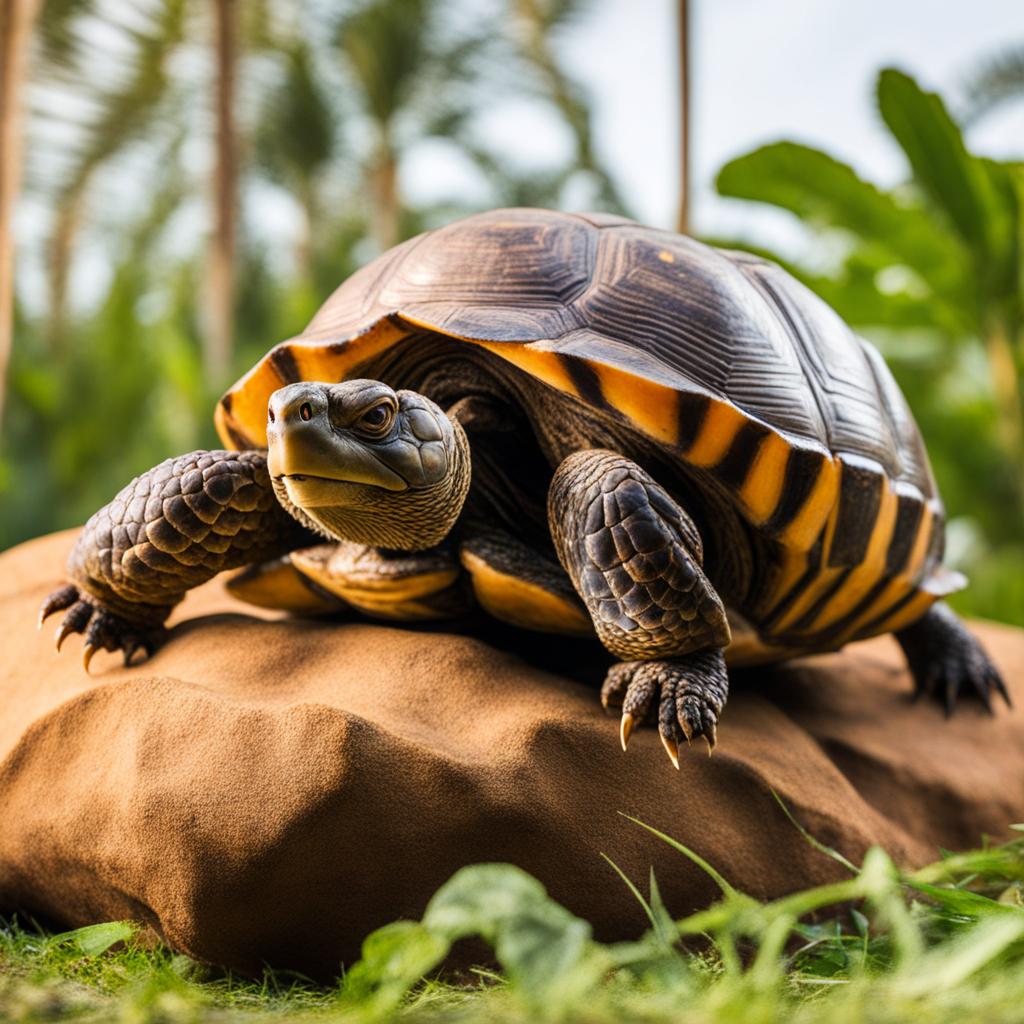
(16, 21)
(406, 68)
(126, 109)
(994, 80)
(297, 142)
(537, 23)
(221, 283)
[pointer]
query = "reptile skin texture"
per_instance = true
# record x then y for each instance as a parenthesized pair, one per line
(175, 527)
(634, 557)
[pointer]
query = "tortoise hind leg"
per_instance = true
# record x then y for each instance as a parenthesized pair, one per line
(945, 660)
(518, 585)
(402, 586)
(279, 586)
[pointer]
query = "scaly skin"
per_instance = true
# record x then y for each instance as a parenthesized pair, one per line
(635, 557)
(945, 660)
(169, 530)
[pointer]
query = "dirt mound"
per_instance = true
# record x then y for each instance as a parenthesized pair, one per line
(270, 791)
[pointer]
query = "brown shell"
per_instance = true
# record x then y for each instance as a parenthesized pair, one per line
(722, 357)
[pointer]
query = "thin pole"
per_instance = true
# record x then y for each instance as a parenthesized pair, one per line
(16, 20)
(222, 264)
(683, 219)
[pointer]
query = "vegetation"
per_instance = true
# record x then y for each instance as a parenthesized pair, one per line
(933, 271)
(160, 133)
(943, 943)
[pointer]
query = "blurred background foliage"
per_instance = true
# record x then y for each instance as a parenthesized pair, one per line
(169, 140)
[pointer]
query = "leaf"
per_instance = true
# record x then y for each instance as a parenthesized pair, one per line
(950, 964)
(394, 959)
(664, 925)
(546, 951)
(954, 179)
(95, 939)
(828, 193)
(962, 902)
(816, 843)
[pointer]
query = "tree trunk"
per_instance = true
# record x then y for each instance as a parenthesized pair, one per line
(384, 188)
(1006, 386)
(683, 219)
(221, 281)
(66, 225)
(16, 20)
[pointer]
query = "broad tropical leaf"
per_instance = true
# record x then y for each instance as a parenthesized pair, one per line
(954, 179)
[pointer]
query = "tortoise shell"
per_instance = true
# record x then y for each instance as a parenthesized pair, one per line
(721, 357)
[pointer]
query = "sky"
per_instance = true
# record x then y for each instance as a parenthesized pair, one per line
(763, 70)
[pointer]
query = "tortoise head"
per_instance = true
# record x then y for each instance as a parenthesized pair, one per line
(358, 461)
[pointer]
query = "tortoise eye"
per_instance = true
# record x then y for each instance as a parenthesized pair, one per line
(376, 420)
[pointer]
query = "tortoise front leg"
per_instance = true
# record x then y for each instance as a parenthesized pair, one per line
(635, 558)
(168, 531)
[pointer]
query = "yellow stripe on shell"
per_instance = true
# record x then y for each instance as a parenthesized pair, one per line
(376, 590)
(643, 401)
(819, 510)
(823, 580)
(762, 487)
(870, 569)
(716, 433)
(905, 580)
(278, 585)
(910, 612)
(333, 363)
(323, 361)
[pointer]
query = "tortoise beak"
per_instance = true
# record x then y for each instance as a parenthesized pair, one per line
(318, 464)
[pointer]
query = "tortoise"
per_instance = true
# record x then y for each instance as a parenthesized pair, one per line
(582, 426)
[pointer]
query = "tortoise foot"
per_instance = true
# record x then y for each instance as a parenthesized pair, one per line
(947, 662)
(103, 629)
(686, 695)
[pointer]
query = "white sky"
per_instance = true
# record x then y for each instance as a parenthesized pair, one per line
(762, 70)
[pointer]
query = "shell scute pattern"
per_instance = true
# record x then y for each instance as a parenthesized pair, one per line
(722, 357)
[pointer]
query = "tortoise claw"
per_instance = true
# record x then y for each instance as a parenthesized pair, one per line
(710, 737)
(75, 621)
(103, 629)
(56, 602)
(625, 729)
(671, 749)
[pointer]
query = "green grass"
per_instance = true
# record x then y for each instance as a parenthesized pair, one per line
(943, 943)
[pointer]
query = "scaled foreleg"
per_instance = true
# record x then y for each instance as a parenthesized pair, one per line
(168, 531)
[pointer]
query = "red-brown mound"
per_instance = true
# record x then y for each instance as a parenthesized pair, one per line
(271, 791)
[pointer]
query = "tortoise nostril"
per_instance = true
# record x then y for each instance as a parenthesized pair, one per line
(306, 411)
(270, 414)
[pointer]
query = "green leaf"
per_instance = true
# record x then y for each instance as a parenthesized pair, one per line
(545, 950)
(95, 939)
(816, 843)
(962, 902)
(952, 178)
(829, 194)
(949, 965)
(664, 924)
(394, 959)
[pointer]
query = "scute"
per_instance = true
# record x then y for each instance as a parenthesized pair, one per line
(720, 356)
